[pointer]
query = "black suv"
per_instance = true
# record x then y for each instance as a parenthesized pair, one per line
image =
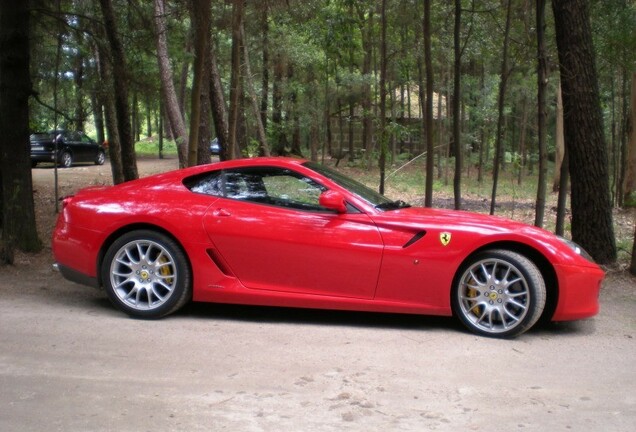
(71, 147)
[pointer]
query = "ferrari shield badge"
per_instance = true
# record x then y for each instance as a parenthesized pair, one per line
(445, 238)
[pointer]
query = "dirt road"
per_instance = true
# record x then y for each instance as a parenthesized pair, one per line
(70, 362)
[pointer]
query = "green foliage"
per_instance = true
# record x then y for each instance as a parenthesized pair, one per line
(252, 149)
(320, 48)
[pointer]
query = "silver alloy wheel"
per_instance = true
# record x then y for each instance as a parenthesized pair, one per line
(494, 295)
(101, 158)
(143, 274)
(66, 160)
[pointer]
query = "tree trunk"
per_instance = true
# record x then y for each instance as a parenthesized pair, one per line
(114, 148)
(185, 68)
(428, 111)
(200, 16)
(563, 195)
(160, 127)
(293, 114)
(78, 79)
(167, 128)
(98, 116)
(217, 104)
(393, 105)
(235, 94)
(632, 266)
(442, 118)
(559, 143)
(205, 130)
(542, 114)
(383, 132)
(523, 152)
(18, 228)
(149, 115)
(629, 184)
(561, 167)
(171, 103)
(500, 109)
(351, 101)
(313, 140)
(120, 71)
(134, 117)
(457, 145)
(265, 60)
(367, 45)
(260, 129)
(278, 140)
(583, 125)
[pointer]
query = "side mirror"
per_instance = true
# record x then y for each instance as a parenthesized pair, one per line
(333, 200)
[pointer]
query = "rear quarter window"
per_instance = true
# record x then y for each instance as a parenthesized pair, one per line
(209, 183)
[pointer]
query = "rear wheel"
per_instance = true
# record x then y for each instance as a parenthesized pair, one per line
(101, 158)
(66, 159)
(499, 293)
(146, 274)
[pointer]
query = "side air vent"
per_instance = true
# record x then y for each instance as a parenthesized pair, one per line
(220, 262)
(415, 238)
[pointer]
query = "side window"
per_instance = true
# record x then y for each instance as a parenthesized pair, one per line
(85, 139)
(245, 185)
(291, 190)
(209, 183)
(263, 185)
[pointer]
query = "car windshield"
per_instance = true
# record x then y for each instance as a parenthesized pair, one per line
(372, 197)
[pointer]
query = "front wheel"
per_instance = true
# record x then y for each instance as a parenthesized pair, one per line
(499, 293)
(146, 274)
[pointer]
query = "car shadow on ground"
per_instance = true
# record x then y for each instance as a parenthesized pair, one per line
(565, 328)
(269, 314)
(215, 312)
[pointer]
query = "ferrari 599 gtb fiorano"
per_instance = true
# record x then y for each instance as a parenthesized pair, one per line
(293, 233)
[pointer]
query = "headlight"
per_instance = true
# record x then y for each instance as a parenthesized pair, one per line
(577, 249)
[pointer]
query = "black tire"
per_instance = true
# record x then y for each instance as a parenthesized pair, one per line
(146, 274)
(498, 293)
(66, 159)
(101, 158)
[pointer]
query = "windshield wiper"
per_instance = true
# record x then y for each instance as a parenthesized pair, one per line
(393, 205)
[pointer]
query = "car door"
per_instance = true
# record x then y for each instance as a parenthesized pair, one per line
(274, 235)
(87, 147)
(71, 141)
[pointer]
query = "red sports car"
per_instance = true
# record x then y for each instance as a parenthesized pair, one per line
(288, 232)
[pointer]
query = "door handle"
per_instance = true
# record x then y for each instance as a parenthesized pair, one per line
(221, 212)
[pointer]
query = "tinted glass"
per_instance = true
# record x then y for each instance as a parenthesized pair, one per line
(264, 185)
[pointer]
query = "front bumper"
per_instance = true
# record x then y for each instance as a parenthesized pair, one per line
(579, 290)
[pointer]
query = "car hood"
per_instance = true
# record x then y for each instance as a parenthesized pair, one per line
(462, 231)
(422, 218)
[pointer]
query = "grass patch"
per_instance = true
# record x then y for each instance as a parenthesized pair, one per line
(150, 147)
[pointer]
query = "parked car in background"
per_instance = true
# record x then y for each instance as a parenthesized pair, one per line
(72, 147)
(215, 147)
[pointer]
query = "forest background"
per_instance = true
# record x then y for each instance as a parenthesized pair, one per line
(465, 90)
